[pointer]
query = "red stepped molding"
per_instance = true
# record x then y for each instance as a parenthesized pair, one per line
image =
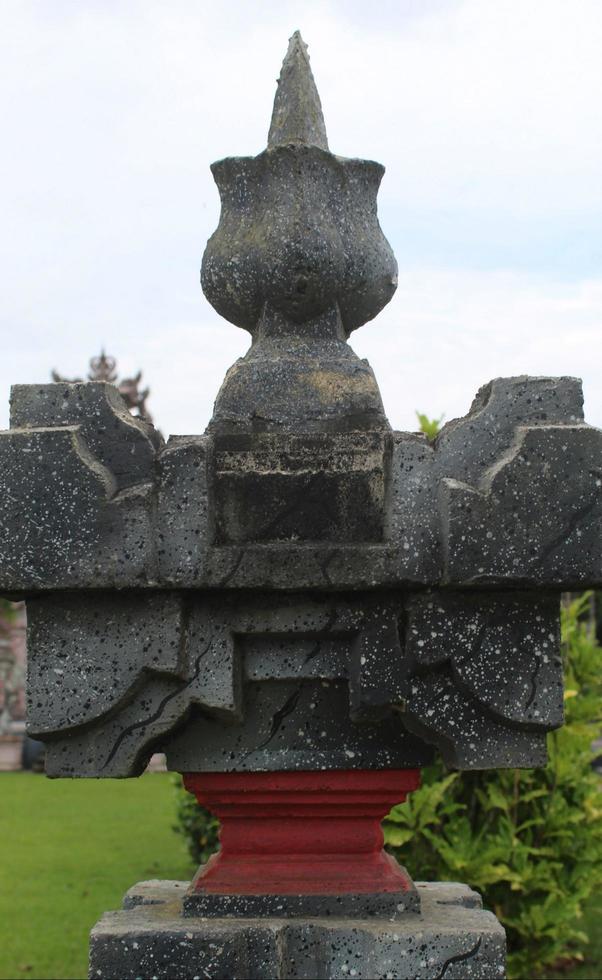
(309, 833)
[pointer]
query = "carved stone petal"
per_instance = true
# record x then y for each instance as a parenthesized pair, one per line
(536, 517)
(469, 446)
(467, 736)
(87, 656)
(123, 444)
(501, 651)
(62, 522)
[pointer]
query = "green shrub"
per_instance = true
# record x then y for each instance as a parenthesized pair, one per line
(195, 824)
(529, 840)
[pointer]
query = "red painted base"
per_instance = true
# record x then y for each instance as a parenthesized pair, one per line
(301, 833)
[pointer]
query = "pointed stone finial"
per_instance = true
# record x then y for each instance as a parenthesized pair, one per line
(300, 261)
(297, 116)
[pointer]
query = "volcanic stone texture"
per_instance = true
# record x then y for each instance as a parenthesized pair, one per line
(233, 681)
(186, 658)
(510, 495)
(300, 488)
(300, 587)
(486, 676)
(302, 683)
(452, 937)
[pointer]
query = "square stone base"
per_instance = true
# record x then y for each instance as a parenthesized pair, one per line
(452, 937)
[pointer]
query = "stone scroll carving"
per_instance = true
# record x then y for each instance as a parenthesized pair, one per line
(95, 504)
(299, 587)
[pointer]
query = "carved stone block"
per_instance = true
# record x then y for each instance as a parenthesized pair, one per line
(534, 518)
(412, 523)
(470, 446)
(123, 444)
(486, 680)
(299, 488)
(182, 521)
(62, 523)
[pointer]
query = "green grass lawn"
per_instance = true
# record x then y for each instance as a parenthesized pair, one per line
(70, 849)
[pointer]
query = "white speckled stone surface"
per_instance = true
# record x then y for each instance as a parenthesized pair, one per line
(452, 938)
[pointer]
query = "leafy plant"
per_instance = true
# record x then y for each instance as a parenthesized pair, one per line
(195, 824)
(430, 427)
(529, 840)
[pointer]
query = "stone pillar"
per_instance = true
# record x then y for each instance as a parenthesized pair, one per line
(300, 607)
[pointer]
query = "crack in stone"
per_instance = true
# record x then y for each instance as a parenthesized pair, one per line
(332, 618)
(161, 707)
(323, 566)
(305, 492)
(229, 575)
(287, 708)
(533, 682)
(459, 958)
(566, 532)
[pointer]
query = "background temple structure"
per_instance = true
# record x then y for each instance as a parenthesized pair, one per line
(104, 368)
(13, 664)
(300, 607)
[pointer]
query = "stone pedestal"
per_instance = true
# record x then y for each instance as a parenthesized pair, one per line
(308, 842)
(451, 937)
(300, 604)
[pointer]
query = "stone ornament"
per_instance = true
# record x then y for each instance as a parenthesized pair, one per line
(300, 587)
(299, 607)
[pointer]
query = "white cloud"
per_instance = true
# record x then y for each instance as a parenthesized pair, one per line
(447, 333)
(483, 112)
(444, 335)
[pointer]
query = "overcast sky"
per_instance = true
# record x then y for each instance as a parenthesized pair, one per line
(486, 113)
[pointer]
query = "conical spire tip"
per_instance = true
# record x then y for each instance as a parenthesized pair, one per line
(297, 116)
